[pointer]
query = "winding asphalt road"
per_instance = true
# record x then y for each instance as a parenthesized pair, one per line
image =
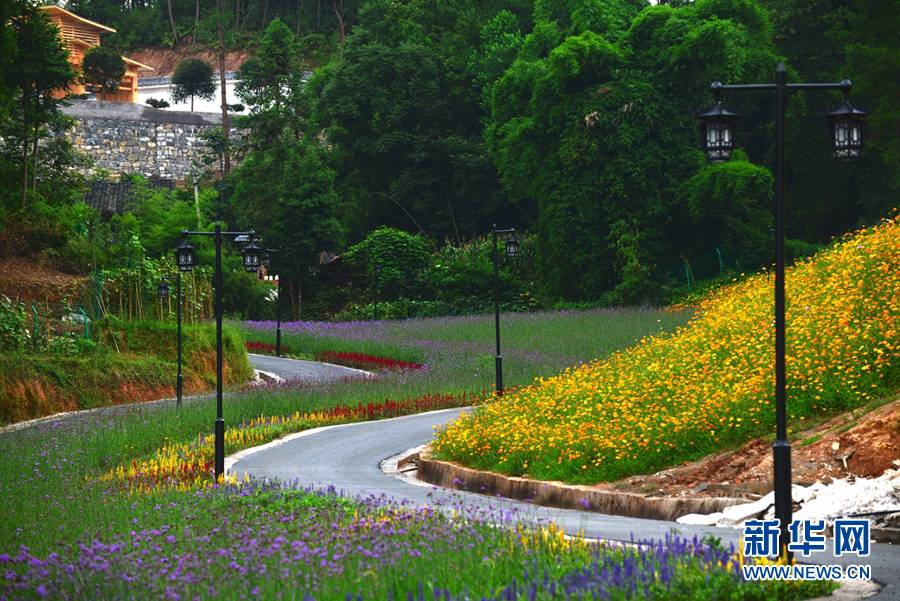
(304, 371)
(348, 457)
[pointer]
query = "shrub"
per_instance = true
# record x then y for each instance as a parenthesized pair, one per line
(13, 334)
(103, 68)
(403, 259)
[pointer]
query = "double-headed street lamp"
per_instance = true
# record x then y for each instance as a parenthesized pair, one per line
(252, 259)
(845, 122)
(512, 251)
(162, 291)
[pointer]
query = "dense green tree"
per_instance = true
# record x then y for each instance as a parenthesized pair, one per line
(730, 207)
(103, 68)
(400, 106)
(402, 257)
(193, 77)
(7, 52)
(286, 192)
(39, 66)
(595, 131)
(271, 83)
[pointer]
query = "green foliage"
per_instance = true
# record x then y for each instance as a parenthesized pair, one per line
(730, 206)
(595, 132)
(403, 259)
(103, 68)
(399, 104)
(285, 191)
(193, 77)
(159, 215)
(158, 103)
(37, 68)
(13, 333)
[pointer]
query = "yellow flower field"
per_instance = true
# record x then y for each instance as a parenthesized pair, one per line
(710, 384)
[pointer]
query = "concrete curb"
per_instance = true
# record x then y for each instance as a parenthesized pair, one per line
(566, 496)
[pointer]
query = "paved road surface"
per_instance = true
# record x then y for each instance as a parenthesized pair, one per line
(289, 369)
(348, 458)
(309, 371)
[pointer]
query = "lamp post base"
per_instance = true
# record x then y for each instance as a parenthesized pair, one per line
(220, 448)
(179, 388)
(781, 452)
(498, 367)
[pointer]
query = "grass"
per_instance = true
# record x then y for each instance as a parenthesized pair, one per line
(126, 362)
(708, 386)
(95, 444)
(264, 541)
(55, 498)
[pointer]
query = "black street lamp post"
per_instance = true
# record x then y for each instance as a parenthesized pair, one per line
(718, 140)
(377, 287)
(163, 292)
(512, 250)
(267, 261)
(252, 257)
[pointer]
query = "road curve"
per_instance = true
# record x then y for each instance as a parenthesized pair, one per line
(295, 370)
(348, 457)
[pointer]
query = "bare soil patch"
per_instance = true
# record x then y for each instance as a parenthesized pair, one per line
(861, 443)
(24, 279)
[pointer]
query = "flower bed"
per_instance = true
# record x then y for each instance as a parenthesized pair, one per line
(262, 541)
(264, 348)
(710, 385)
(188, 465)
(364, 361)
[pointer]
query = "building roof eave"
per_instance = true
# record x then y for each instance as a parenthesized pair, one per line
(59, 9)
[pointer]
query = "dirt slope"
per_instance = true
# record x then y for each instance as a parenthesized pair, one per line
(857, 443)
(163, 60)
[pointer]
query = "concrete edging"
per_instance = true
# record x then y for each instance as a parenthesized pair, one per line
(567, 496)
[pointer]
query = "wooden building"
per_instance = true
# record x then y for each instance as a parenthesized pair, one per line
(79, 35)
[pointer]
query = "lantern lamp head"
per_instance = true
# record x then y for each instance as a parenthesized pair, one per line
(845, 122)
(253, 256)
(512, 245)
(162, 291)
(718, 132)
(184, 255)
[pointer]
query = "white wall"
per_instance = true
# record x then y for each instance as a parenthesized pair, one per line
(201, 105)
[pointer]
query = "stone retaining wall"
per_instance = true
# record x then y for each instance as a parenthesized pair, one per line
(567, 496)
(124, 138)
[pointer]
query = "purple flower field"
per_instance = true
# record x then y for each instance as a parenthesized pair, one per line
(270, 542)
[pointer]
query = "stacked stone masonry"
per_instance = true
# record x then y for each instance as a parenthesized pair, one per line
(132, 139)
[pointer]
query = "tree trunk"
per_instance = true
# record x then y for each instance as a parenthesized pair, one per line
(196, 19)
(192, 103)
(338, 6)
(265, 13)
(172, 21)
(34, 159)
(25, 138)
(226, 152)
(318, 15)
(299, 15)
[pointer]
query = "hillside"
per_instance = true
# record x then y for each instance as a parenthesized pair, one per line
(709, 386)
(163, 60)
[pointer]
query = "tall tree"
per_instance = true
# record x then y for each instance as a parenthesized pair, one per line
(103, 68)
(397, 104)
(226, 124)
(172, 21)
(271, 83)
(592, 126)
(193, 77)
(39, 67)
